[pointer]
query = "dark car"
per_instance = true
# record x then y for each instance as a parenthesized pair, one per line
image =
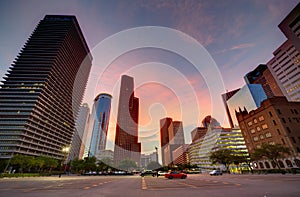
(178, 175)
(148, 173)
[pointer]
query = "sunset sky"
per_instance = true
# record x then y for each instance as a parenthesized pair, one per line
(238, 35)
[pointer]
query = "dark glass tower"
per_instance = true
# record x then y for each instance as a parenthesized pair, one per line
(126, 140)
(42, 91)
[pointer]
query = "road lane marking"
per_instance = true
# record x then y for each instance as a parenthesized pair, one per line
(144, 186)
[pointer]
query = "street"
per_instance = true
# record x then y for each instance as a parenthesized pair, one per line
(271, 185)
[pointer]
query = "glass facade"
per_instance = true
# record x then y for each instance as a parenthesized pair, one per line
(216, 139)
(100, 121)
(249, 97)
(38, 99)
(126, 140)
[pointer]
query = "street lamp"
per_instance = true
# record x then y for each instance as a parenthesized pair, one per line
(65, 150)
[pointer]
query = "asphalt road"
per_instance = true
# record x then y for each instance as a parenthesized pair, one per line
(278, 185)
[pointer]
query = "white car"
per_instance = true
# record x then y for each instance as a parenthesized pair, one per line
(215, 173)
(161, 173)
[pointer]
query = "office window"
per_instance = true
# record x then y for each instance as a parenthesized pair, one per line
(258, 128)
(283, 120)
(252, 130)
(258, 146)
(274, 122)
(288, 129)
(278, 111)
(283, 142)
(261, 137)
(278, 131)
(268, 135)
(270, 113)
(249, 123)
(261, 118)
(293, 139)
(255, 121)
(264, 126)
(255, 139)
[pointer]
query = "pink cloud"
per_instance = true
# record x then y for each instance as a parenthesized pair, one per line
(237, 47)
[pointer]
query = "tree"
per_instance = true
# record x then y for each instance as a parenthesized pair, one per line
(153, 165)
(105, 163)
(127, 165)
(238, 159)
(271, 152)
(18, 160)
(50, 163)
(40, 163)
(77, 165)
(224, 157)
(90, 164)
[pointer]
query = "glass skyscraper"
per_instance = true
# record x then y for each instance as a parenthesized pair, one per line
(126, 140)
(248, 97)
(171, 137)
(100, 121)
(43, 89)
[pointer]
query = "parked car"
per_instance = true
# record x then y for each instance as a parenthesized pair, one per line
(148, 173)
(161, 173)
(179, 175)
(215, 173)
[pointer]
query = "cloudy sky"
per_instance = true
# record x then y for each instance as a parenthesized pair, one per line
(237, 34)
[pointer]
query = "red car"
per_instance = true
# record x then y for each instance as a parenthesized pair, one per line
(178, 175)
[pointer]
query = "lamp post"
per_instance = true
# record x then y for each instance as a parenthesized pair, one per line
(65, 150)
(156, 154)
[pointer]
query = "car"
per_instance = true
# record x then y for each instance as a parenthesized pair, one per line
(215, 173)
(179, 175)
(161, 173)
(148, 173)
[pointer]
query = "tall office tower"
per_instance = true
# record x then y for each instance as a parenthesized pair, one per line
(262, 75)
(178, 132)
(248, 97)
(226, 96)
(171, 137)
(285, 65)
(101, 114)
(166, 132)
(81, 126)
(126, 140)
(41, 94)
(275, 122)
(290, 26)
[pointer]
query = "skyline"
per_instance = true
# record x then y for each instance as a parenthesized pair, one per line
(230, 39)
